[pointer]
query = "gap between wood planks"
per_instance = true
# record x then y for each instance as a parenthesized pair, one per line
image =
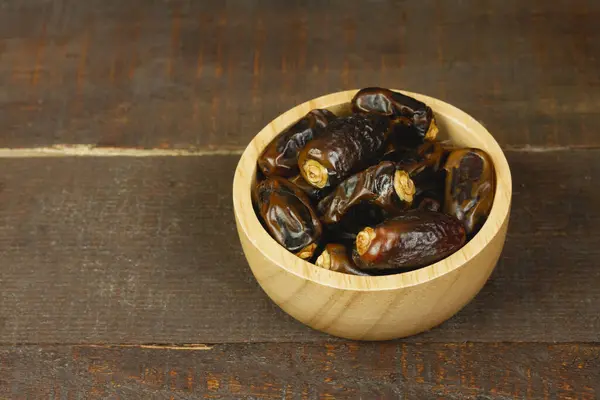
(86, 150)
(333, 341)
(151, 346)
(194, 347)
(156, 346)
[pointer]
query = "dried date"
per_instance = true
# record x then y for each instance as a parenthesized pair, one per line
(469, 187)
(312, 192)
(336, 257)
(280, 157)
(405, 110)
(288, 216)
(414, 239)
(381, 185)
(346, 146)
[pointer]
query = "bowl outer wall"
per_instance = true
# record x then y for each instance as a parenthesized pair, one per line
(382, 307)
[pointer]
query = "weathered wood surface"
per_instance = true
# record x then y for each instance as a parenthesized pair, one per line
(310, 371)
(212, 73)
(144, 250)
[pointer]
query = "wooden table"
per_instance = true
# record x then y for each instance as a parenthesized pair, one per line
(122, 122)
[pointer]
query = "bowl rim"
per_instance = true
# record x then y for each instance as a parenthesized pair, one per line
(254, 232)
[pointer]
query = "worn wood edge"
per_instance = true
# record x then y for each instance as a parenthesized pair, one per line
(167, 346)
(155, 346)
(313, 371)
(87, 150)
(84, 150)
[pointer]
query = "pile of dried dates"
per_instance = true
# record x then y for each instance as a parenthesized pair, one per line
(372, 193)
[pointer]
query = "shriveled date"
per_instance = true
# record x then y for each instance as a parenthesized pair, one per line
(469, 188)
(429, 153)
(353, 221)
(280, 157)
(433, 154)
(414, 239)
(408, 112)
(424, 177)
(336, 257)
(288, 216)
(312, 192)
(429, 204)
(380, 185)
(347, 145)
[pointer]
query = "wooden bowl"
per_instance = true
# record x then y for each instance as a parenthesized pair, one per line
(378, 307)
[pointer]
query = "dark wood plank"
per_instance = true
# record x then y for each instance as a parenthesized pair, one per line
(138, 250)
(312, 371)
(210, 74)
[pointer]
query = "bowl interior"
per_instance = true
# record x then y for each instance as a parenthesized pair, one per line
(453, 123)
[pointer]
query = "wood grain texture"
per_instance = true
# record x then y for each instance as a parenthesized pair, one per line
(383, 307)
(213, 73)
(144, 250)
(312, 371)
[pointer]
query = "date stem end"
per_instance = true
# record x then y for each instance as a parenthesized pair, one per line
(433, 130)
(315, 173)
(307, 251)
(324, 260)
(404, 186)
(364, 239)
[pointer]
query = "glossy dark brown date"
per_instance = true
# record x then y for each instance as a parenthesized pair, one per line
(398, 107)
(280, 157)
(400, 152)
(380, 185)
(433, 154)
(312, 192)
(429, 204)
(346, 146)
(469, 187)
(413, 239)
(355, 219)
(336, 257)
(288, 216)
(425, 178)
(430, 153)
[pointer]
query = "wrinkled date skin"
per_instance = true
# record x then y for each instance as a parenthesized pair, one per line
(288, 216)
(374, 185)
(280, 157)
(470, 186)
(431, 153)
(426, 172)
(398, 107)
(413, 239)
(429, 204)
(404, 133)
(400, 152)
(315, 194)
(355, 219)
(347, 145)
(336, 257)
(432, 197)
(424, 177)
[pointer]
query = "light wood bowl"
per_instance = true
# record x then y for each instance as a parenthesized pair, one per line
(378, 307)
